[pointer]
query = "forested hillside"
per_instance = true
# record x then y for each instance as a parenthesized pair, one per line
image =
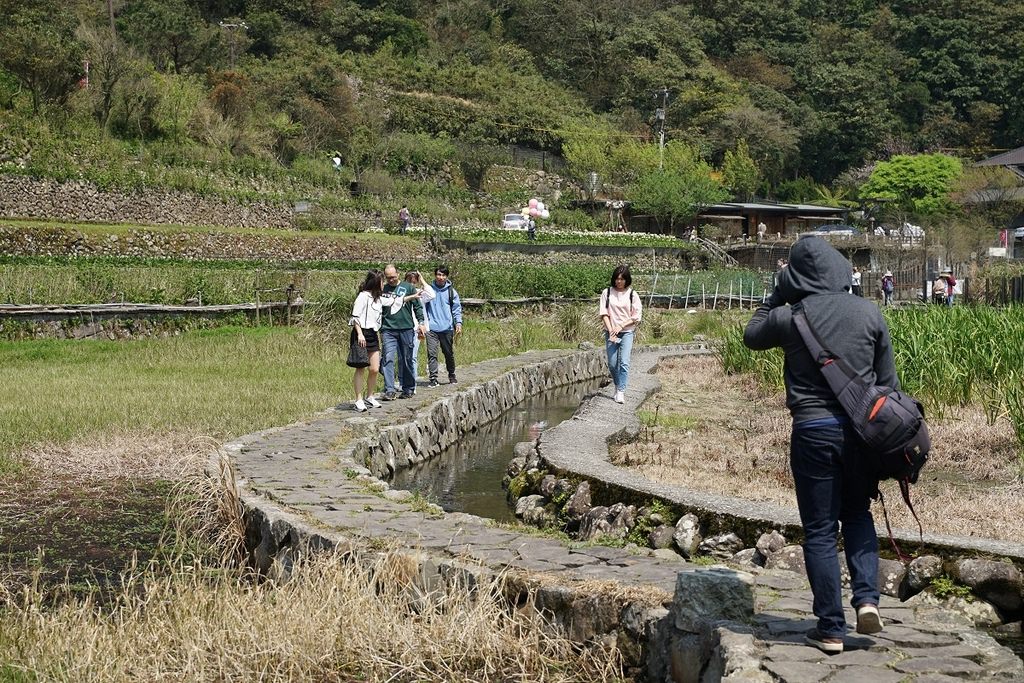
(810, 89)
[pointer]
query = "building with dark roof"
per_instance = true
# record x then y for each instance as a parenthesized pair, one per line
(1013, 160)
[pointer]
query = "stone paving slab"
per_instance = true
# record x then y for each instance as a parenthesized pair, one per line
(309, 471)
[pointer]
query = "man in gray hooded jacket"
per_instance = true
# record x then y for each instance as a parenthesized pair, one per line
(833, 484)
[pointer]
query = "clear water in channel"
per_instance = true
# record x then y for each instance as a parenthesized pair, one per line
(467, 476)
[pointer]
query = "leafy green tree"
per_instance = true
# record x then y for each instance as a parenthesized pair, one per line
(773, 142)
(593, 149)
(798, 190)
(920, 184)
(171, 32)
(740, 173)
(475, 159)
(110, 62)
(678, 191)
(40, 49)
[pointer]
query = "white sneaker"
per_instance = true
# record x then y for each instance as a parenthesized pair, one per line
(868, 621)
(359, 406)
(372, 402)
(620, 397)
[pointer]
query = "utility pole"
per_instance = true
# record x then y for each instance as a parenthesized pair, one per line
(110, 13)
(659, 119)
(232, 27)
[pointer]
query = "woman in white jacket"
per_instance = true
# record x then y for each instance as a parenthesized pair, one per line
(367, 313)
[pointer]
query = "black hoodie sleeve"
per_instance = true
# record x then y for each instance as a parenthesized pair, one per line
(769, 325)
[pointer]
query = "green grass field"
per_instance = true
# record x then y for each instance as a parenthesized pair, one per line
(222, 382)
(234, 380)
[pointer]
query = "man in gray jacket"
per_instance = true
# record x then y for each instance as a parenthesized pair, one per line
(833, 484)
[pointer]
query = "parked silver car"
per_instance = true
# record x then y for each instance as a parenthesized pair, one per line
(513, 221)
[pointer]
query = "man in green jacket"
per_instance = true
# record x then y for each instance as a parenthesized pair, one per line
(398, 333)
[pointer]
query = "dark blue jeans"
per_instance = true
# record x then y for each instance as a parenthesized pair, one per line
(832, 491)
(396, 360)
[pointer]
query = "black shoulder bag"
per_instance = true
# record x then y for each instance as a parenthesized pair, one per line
(358, 357)
(890, 422)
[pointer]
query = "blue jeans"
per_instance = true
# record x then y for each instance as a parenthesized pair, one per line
(618, 358)
(415, 356)
(397, 350)
(832, 489)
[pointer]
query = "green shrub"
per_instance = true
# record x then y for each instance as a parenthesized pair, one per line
(574, 219)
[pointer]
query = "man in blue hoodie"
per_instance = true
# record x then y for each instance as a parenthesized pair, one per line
(833, 484)
(444, 319)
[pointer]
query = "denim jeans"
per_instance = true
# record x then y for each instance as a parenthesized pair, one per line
(416, 355)
(618, 358)
(833, 491)
(397, 353)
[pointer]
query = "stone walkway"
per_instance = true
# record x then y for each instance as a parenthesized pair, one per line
(303, 479)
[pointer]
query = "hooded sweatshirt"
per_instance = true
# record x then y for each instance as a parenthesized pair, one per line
(817, 279)
(444, 311)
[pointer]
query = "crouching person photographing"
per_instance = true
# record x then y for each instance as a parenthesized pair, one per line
(828, 459)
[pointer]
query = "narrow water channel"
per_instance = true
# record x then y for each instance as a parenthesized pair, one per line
(467, 476)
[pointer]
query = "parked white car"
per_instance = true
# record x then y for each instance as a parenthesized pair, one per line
(513, 221)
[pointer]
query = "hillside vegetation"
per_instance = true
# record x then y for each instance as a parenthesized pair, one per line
(255, 96)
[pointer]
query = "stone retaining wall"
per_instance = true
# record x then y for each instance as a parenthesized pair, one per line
(79, 201)
(131, 321)
(432, 431)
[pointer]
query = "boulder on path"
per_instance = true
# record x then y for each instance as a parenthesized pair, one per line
(790, 558)
(722, 546)
(661, 536)
(687, 535)
(709, 595)
(768, 544)
(614, 521)
(921, 572)
(579, 503)
(998, 582)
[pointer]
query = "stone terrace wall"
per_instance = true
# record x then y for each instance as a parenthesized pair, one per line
(78, 201)
(451, 417)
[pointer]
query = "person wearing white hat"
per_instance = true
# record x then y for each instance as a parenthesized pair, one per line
(888, 286)
(947, 275)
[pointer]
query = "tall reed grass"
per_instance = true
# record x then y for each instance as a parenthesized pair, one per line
(947, 357)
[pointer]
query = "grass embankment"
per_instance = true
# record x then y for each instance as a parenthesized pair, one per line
(737, 444)
(104, 279)
(219, 383)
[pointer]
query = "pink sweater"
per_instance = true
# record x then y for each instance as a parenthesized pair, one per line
(622, 308)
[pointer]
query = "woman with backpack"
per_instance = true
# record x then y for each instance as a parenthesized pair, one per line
(827, 457)
(620, 311)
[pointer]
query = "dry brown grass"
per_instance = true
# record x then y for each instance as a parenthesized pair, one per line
(336, 619)
(131, 455)
(716, 433)
(194, 614)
